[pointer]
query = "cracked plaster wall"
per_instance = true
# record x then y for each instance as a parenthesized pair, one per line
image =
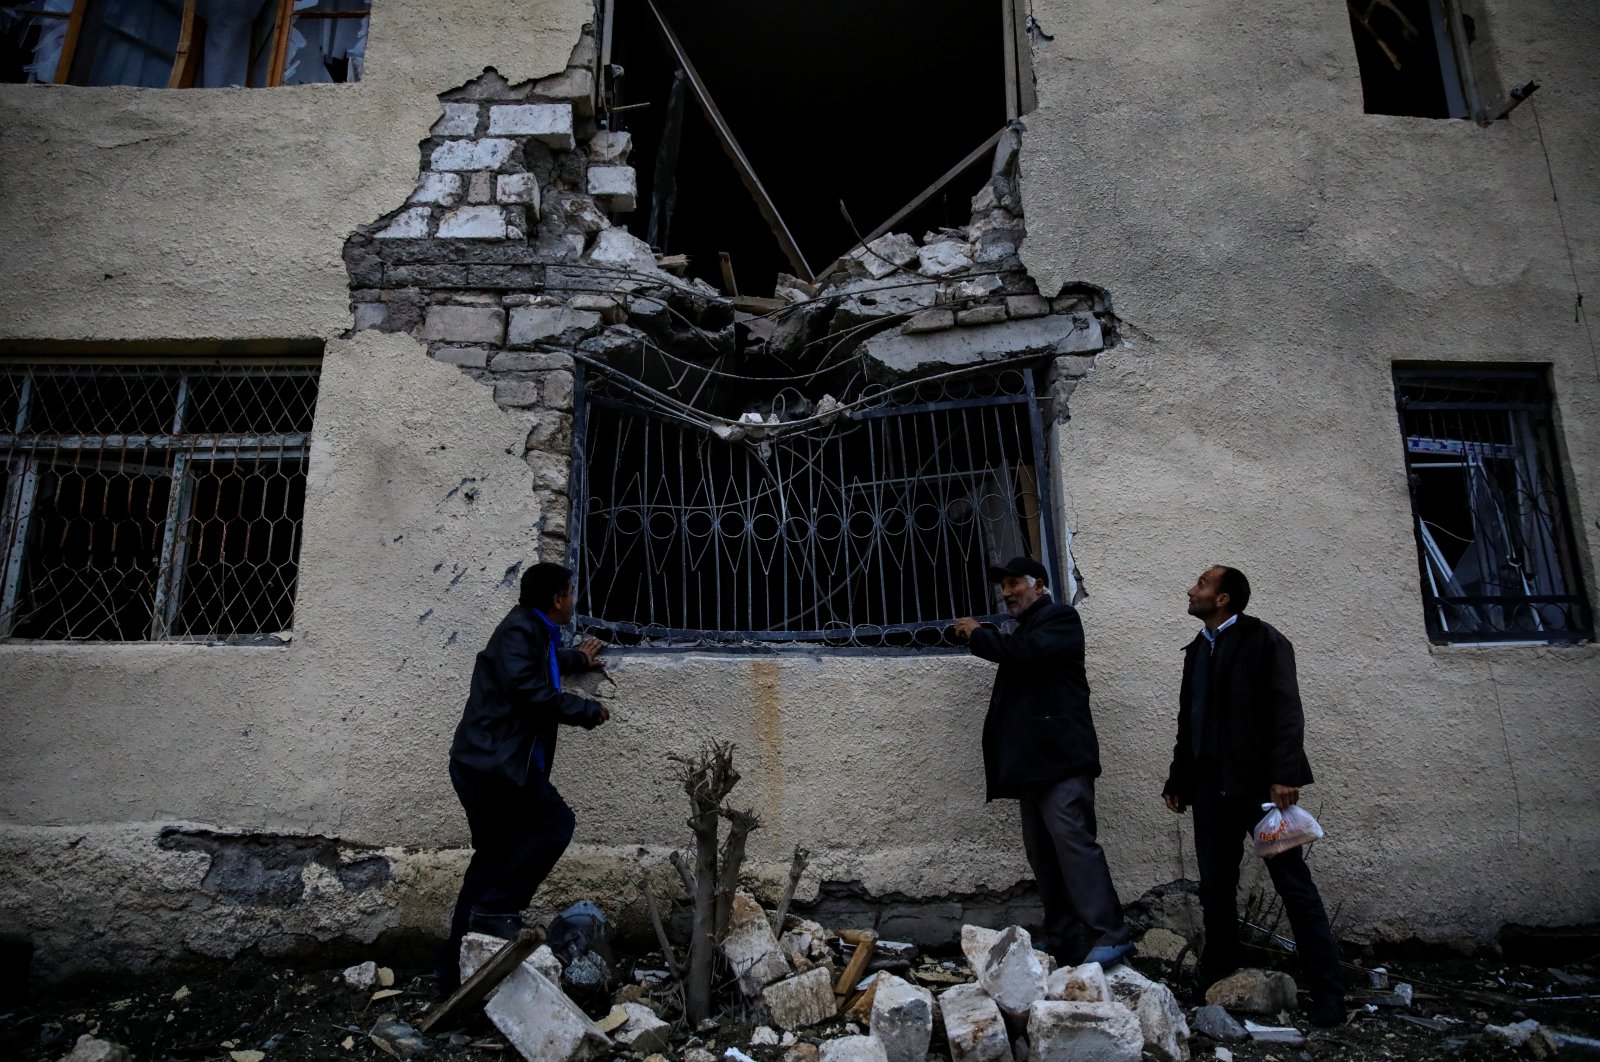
(1261, 236)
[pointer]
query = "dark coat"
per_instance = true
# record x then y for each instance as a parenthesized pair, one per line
(1254, 700)
(514, 703)
(1038, 730)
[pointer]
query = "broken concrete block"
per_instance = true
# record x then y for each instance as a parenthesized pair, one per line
(609, 307)
(797, 946)
(548, 123)
(867, 300)
(764, 1036)
(987, 314)
(541, 1022)
(1166, 1034)
(555, 325)
(1084, 1032)
(623, 250)
(442, 188)
(976, 288)
(804, 999)
(1275, 1034)
(751, 948)
(943, 258)
(610, 148)
(973, 1025)
(1020, 308)
(885, 255)
(91, 1049)
(474, 223)
(409, 224)
(518, 188)
(361, 977)
(902, 1017)
(465, 324)
(460, 119)
(895, 355)
(489, 153)
(1079, 984)
(643, 1031)
(1215, 1022)
(1254, 992)
(1013, 975)
(854, 1049)
(936, 320)
(479, 948)
(573, 86)
(1127, 984)
(468, 357)
(614, 187)
(976, 943)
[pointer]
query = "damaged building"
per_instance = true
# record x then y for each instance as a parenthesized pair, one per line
(780, 323)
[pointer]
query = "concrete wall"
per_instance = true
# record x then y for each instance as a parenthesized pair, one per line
(1272, 250)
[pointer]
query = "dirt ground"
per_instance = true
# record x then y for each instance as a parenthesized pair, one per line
(229, 1011)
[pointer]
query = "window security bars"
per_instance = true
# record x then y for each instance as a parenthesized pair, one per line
(873, 530)
(152, 502)
(1494, 539)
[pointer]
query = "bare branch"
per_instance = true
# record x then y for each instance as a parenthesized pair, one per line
(797, 867)
(740, 823)
(661, 932)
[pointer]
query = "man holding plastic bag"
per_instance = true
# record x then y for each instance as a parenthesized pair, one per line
(1240, 751)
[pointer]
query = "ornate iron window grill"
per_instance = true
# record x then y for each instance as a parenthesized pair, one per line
(1494, 539)
(146, 501)
(868, 529)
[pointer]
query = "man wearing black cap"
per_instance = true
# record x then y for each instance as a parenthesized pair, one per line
(1039, 748)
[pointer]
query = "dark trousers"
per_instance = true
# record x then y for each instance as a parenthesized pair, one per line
(1080, 903)
(518, 833)
(1220, 821)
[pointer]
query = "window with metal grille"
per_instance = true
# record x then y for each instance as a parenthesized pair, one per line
(1494, 539)
(869, 527)
(152, 502)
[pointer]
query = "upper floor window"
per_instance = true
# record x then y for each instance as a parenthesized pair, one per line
(149, 501)
(183, 43)
(1494, 538)
(1415, 57)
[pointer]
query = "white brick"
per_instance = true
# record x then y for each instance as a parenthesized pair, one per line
(1084, 1032)
(541, 324)
(1079, 984)
(473, 223)
(518, 188)
(616, 186)
(750, 945)
(973, 1025)
(1013, 975)
(548, 123)
(489, 153)
(610, 148)
(409, 224)
(464, 324)
(902, 1017)
(460, 119)
(804, 999)
(854, 1049)
(441, 188)
(541, 1022)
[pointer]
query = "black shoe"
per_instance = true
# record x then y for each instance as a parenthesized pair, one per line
(504, 925)
(1325, 1011)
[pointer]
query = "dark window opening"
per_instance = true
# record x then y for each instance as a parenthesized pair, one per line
(872, 528)
(868, 104)
(1494, 538)
(1412, 56)
(151, 502)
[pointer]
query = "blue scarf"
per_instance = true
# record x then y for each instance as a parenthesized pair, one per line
(555, 680)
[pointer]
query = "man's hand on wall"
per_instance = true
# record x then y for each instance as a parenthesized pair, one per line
(965, 626)
(1285, 795)
(605, 713)
(1172, 802)
(592, 647)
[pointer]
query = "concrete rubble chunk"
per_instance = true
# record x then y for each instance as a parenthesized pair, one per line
(973, 1025)
(460, 119)
(615, 187)
(1127, 984)
(866, 299)
(541, 1022)
(622, 250)
(518, 188)
(556, 325)
(944, 257)
(474, 223)
(976, 943)
(1166, 1033)
(1013, 975)
(464, 324)
(1084, 1032)
(1254, 992)
(895, 355)
(1215, 1022)
(751, 947)
(902, 1017)
(92, 1049)
(1516, 1035)
(935, 320)
(986, 314)
(644, 1031)
(1274, 1034)
(573, 86)
(887, 254)
(977, 287)
(1079, 984)
(801, 1000)
(1222, 1054)
(490, 153)
(409, 224)
(1020, 308)
(398, 1039)
(479, 948)
(444, 189)
(609, 147)
(854, 1049)
(362, 976)
(611, 308)
(548, 123)
(764, 1036)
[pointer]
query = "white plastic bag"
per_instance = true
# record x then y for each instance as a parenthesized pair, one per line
(1279, 831)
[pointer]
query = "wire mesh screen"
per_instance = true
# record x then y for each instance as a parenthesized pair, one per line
(1494, 539)
(150, 502)
(874, 530)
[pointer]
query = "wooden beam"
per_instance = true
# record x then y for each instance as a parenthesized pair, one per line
(1008, 40)
(280, 43)
(866, 943)
(69, 47)
(730, 286)
(927, 193)
(486, 980)
(187, 59)
(730, 145)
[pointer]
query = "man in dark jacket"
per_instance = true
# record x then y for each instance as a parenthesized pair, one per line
(1039, 748)
(1241, 744)
(504, 747)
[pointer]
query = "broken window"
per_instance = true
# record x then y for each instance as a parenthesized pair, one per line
(152, 502)
(183, 43)
(866, 524)
(1494, 539)
(1415, 57)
